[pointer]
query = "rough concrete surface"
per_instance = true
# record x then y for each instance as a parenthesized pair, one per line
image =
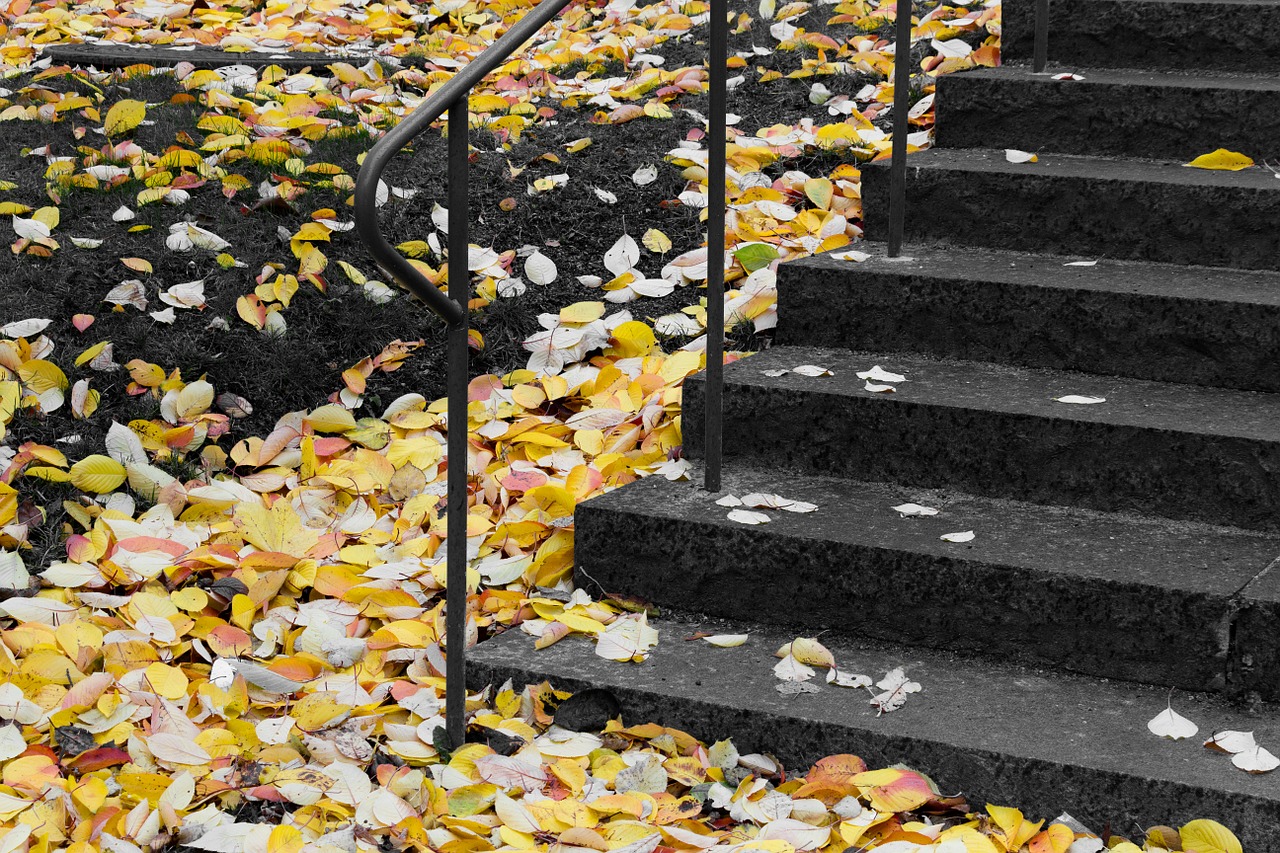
(1139, 210)
(1103, 594)
(997, 733)
(1178, 451)
(1163, 115)
(1198, 325)
(1230, 35)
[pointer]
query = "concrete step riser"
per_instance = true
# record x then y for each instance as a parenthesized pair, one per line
(1111, 332)
(1156, 121)
(1115, 630)
(1079, 215)
(1215, 479)
(1225, 36)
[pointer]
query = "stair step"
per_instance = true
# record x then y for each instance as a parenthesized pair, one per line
(997, 733)
(1110, 595)
(1177, 451)
(1198, 325)
(1174, 116)
(1134, 209)
(1227, 35)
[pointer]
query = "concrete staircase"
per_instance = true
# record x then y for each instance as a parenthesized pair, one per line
(1121, 549)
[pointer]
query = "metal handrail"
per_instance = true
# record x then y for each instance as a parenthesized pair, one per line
(901, 111)
(452, 97)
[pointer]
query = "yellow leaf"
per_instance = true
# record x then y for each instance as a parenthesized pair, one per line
(331, 418)
(97, 473)
(50, 216)
(41, 376)
(631, 339)
(655, 241)
(578, 144)
(1208, 836)
(124, 116)
(91, 353)
(167, 681)
(285, 839)
(582, 312)
(1222, 159)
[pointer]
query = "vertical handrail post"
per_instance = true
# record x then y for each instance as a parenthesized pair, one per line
(901, 108)
(1042, 36)
(456, 494)
(716, 200)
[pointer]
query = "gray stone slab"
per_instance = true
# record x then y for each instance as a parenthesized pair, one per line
(1178, 451)
(1133, 209)
(1041, 741)
(1163, 115)
(1231, 35)
(1199, 325)
(1109, 595)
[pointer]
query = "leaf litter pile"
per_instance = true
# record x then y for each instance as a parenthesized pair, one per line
(221, 518)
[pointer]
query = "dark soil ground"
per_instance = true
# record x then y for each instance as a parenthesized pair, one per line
(328, 332)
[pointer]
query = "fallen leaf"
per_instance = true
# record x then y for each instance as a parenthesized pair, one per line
(965, 536)
(1221, 160)
(1170, 724)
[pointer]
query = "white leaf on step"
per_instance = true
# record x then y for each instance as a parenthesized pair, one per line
(1231, 742)
(1080, 264)
(790, 669)
(812, 370)
(775, 373)
(1067, 75)
(914, 509)
(628, 638)
(1255, 760)
(879, 374)
(799, 506)
(879, 389)
(966, 536)
(856, 256)
(729, 500)
(1079, 400)
(1169, 723)
(726, 641)
(847, 679)
(896, 686)
(746, 516)
(1013, 155)
(793, 688)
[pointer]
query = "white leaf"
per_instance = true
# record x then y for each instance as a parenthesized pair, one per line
(177, 749)
(1080, 264)
(261, 677)
(915, 509)
(775, 373)
(812, 370)
(30, 229)
(676, 324)
(729, 500)
(605, 196)
(123, 214)
(275, 730)
(227, 838)
(24, 328)
(726, 641)
(1067, 75)
(746, 516)
(540, 269)
(13, 574)
(46, 611)
(165, 316)
(879, 374)
(12, 743)
(1013, 155)
(622, 255)
(1255, 760)
(1083, 401)
(645, 175)
(896, 686)
(847, 679)
(849, 255)
(1169, 723)
(790, 669)
(879, 389)
(952, 48)
(189, 294)
(792, 688)
(1231, 742)
(123, 444)
(86, 242)
(626, 638)
(131, 292)
(966, 536)
(222, 674)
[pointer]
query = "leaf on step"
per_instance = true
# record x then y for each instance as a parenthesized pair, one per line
(847, 679)
(895, 686)
(1221, 160)
(628, 638)
(1079, 400)
(726, 641)
(1013, 155)
(909, 510)
(879, 374)
(1255, 760)
(965, 536)
(794, 688)
(1170, 724)
(812, 370)
(1231, 742)
(1067, 75)
(729, 500)
(1080, 264)
(878, 389)
(746, 516)
(790, 669)
(849, 255)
